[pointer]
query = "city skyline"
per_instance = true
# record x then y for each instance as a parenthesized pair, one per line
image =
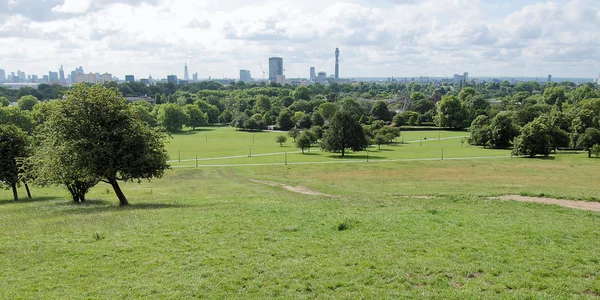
(384, 39)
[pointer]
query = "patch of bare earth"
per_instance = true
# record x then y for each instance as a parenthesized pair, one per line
(594, 206)
(296, 189)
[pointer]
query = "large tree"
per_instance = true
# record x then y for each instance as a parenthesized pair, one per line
(502, 131)
(27, 102)
(381, 112)
(344, 132)
(451, 113)
(106, 140)
(535, 139)
(13, 149)
(172, 117)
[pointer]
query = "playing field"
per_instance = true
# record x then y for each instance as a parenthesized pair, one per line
(404, 224)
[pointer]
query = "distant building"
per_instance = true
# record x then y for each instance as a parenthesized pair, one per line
(313, 74)
(549, 78)
(2, 75)
(79, 78)
(172, 79)
(129, 78)
(61, 74)
(337, 63)
(185, 73)
(35, 78)
(195, 77)
(53, 77)
(461, 79)
(321, 77)
(275, 68)
(45, 79)
(245, 76)
(145, 81)
(107, 77)
(91, 78)
(150, 79)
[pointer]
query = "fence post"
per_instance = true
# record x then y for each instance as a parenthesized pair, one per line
(196, 160)
(286, 158)
(442, 153)
(179, 153)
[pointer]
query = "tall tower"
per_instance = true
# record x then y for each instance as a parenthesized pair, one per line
(337, 63)
(186, 75)
(61, 74)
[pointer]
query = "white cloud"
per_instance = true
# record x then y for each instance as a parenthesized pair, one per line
(386, 38)
(73, 6)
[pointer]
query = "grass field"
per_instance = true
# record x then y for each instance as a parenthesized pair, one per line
(209, 232)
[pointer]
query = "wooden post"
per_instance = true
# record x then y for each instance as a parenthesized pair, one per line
(196, 160)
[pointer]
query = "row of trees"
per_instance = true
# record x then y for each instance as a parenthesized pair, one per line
(90, 136)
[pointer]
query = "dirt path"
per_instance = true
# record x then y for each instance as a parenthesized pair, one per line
(585, 205)
(296, 189)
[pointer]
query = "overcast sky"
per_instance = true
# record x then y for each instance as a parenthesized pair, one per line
(403, 38)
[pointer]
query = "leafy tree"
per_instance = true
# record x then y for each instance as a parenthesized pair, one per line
(480, 131)
(554, 96)
(596, 150)
(399, 120)
(284, 121)
(584, 119)
(15, 116)
(381, 112)
(417, 97)
(13, 147)
(294, 133)
(451, 113)
(502, 131)
(255, 123)
(27, 102)
(105, 139)
(467, 93)
(317, 119)
(535, 139)
(4, 101)
(344, 132)
(211, 111)
(328, 109)
(301, 93)
(196, 118)
(317, 132)
(142, 109)
(583, 92)
(588, 139)
(423, 106)
(281, 139)
(303, 141)
(226, 117)
(172, 117)
(304, 122)
(476, 106)
(263, 104)
(267, 120)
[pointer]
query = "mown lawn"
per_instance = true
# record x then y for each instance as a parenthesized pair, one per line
(211, 233)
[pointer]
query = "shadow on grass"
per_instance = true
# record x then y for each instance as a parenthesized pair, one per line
(27, 200)
(311, 153)
(102, 206)
(194, 132)
(356, 157)
(539, 157)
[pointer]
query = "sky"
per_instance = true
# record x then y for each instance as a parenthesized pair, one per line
(377, 38)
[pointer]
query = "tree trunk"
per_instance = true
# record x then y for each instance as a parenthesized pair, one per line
(15, 193)
(27, 189)
(343, 151)
(122, 199)
(590, 153)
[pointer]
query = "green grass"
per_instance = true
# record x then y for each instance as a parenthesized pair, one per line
(209, 232)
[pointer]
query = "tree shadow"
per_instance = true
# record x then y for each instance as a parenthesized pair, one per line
(27, 200)
(356, 157)
(193, 132)
(103, 206)
(310, 153)
(539, 157)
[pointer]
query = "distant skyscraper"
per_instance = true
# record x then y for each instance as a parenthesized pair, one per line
(150, 79)
(337, 63)
(129, 78)
(186, 75)
(172, 79)
(2, 75)
(275, 68)
(195, 76)
(321, 77)
(53, 77)
(549, 78)
(61, 74)
(245, 76)
(21, 75)
(34, 78)
(313, 73)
